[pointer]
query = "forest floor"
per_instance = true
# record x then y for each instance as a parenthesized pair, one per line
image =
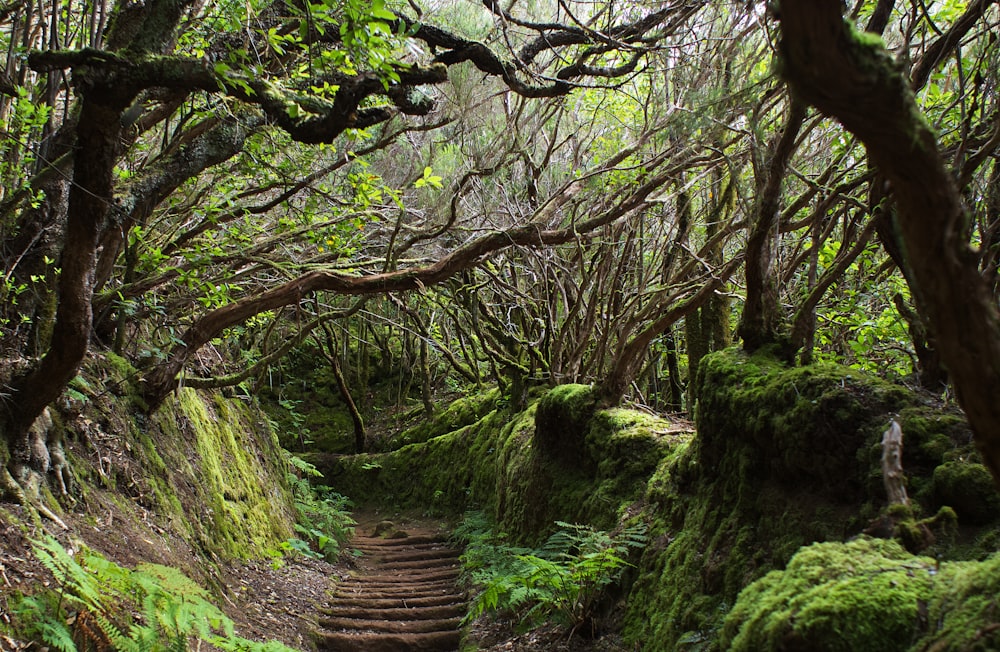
(266, 600)
(284, 603)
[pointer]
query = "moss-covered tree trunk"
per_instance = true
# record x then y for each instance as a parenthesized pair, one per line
(89, 203)
(761, 311)
(852, 77)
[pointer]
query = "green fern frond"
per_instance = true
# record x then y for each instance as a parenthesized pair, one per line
(119, 639)
(237, 644)
(78, 584)
(56, 634)
(561, 581)
(42, 620)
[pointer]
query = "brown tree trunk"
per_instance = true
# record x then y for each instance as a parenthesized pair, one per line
(696, 343)
(932, 374)
(761, 312)
(89, 201)
(853, 78)
(676, 401)
(360, 434)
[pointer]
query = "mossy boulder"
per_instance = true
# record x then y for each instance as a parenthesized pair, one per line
(784, 457)
(224, 459)
(968, 488)
(862, 596)
(868, 595)
(963, 612)
(561, 423)
(803, 426)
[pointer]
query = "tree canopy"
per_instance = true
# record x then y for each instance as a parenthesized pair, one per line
(513, 193)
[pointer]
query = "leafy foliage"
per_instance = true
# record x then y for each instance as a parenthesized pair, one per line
(323, 515)
(561, 581)
(98, 604)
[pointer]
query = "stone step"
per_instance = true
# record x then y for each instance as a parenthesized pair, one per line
(397, 626)
(403, 596)
(433, 612)
(388, 642)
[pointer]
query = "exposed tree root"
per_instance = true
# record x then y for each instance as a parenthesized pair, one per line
(21, 496)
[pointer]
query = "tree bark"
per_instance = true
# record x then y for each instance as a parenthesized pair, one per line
(360, 433)
(761, 312)
(892, 465)
(854, 79)
(89, 201)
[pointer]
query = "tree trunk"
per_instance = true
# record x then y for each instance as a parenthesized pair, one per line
(676, 401)
(761, 312)
(932, 374)
(853, 78)
(333, 357)
(89, 201)
(696, 342)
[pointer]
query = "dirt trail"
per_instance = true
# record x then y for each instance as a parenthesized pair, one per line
(402, 597)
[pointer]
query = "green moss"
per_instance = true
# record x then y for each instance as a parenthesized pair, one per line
(217, 459)
(460, 413)
(561, 424)
(963, 611)
(775, 466)
(859, 596)
(931, 435)
(968, 488)
(868, 595)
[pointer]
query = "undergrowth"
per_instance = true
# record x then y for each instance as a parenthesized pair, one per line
(323, 516)
(562, 581)
(96, 604)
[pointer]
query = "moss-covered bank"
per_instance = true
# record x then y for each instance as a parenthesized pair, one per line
(526, 473)
(204, 471)
(784, 457)
(224, 469)
(868, 596)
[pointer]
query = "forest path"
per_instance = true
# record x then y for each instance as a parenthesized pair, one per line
(402, 596)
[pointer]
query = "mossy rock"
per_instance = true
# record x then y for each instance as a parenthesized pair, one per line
(860, 596)
(868, 595)
(561, 423)
(930, 436)
(784, 457)
(458, 414)
(963, 612)
(805, 425)
(968, 488)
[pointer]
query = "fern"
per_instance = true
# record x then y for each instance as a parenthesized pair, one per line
(561, 581)
(78, 585)
(101, 605)
(35, 611)
(323, 515)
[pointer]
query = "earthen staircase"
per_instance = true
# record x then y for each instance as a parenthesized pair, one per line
(403, 596)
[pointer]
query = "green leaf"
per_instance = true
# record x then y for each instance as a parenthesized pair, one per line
(378, 10)
(429, 179)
